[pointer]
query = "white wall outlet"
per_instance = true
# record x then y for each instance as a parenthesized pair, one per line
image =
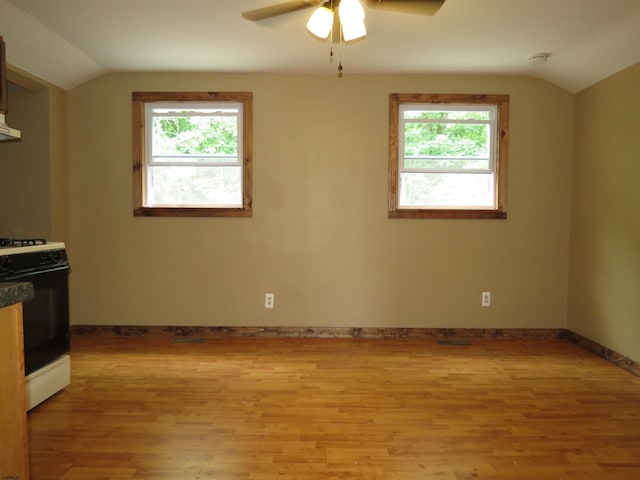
(486, 299)
(269, 300)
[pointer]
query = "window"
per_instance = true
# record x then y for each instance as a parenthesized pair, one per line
(448, 156)
(192, 154)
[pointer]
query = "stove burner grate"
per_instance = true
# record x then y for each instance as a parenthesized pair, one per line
(16, 242)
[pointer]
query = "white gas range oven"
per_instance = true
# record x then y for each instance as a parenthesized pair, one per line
(46, 316)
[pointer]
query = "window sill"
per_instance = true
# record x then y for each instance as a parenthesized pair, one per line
(447, 213)
(191, 212)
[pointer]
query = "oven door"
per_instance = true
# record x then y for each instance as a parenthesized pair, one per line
(46, 316)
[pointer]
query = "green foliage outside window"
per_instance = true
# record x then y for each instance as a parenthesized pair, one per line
(208, 135)
(446, 145)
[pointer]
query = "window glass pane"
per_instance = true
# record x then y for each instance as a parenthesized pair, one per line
(447, 140)
(448, 114)
(195, 185)
(442, 190)
(193, 135)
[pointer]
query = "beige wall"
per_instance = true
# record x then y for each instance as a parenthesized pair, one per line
(320, 238)
(604, 301)
(34, 172)
(59, 164)
(25, 172)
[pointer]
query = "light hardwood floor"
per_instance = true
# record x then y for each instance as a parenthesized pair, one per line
(255, 408)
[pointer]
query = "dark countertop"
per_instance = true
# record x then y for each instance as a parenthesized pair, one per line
(15, 292)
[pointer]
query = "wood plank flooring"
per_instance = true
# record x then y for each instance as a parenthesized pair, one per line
(260, 409)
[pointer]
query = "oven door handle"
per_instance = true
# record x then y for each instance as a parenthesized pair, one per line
(26, 274)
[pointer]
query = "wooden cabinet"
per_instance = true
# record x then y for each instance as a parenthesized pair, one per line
(14, 453)
(3, 79)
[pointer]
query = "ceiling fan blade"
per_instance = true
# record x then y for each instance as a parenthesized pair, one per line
(418, 7)
(278, 9)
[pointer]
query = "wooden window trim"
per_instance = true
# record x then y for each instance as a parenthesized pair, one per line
(502, 102)
(139, 99)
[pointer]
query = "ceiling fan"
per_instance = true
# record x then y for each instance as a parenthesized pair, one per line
(418, 7)
(342, 19)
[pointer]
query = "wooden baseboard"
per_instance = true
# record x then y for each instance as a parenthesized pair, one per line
(603, 352)
(316, 332)
(361, 332)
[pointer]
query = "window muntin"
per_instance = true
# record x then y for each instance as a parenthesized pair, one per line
(192, 154)
(447, 156)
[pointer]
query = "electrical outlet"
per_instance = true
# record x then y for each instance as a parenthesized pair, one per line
(269, 300)
(486, 299)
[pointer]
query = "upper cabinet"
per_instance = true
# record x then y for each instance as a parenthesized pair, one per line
(3, 77)
(7, 134)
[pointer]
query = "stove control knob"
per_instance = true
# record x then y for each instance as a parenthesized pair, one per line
(46, 257)
(5, 263)
(51, 257)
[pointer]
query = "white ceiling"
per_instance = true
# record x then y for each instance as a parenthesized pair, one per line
(67, 42)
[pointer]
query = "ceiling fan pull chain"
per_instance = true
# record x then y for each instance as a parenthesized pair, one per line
(340, 45)
(331, 36)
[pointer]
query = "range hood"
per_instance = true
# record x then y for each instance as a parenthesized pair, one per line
(8, 134)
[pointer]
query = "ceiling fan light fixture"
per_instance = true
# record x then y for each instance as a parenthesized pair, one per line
(352, 19)
(353, 31)
(321, 21)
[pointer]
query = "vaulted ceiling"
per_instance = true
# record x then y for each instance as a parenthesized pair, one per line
(67, 42)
